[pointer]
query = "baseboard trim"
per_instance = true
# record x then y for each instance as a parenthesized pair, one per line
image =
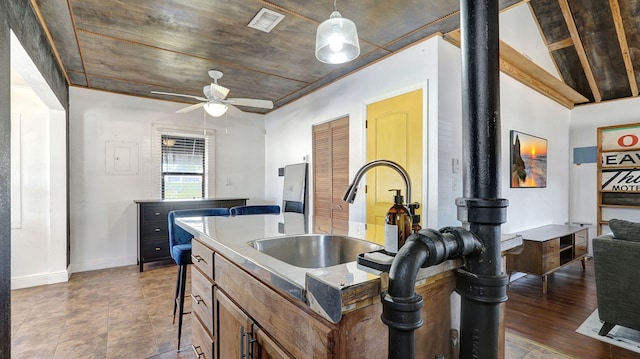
(40, 279)
(515, 276)
(102, 264)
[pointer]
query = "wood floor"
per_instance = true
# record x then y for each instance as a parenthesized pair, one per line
(110, 313)
(121, 313)
(552, 319)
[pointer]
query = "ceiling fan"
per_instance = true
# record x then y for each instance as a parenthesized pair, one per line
(215, 100)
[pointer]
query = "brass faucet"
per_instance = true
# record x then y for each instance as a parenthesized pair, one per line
(350, 194)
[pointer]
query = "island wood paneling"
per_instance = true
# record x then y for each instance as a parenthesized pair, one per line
(297, 330)
(359, 334)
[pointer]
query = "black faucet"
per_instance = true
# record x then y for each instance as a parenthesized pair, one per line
(350, 194)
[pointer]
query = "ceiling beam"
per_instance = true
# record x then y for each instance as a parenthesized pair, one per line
(531, 74)
(521, 68)
(582, 55)
(560, 44)
(624, 47)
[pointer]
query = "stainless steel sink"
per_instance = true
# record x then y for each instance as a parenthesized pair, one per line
(314, 250)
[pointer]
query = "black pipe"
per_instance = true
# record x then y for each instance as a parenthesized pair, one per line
(401, 305)
(481, 283)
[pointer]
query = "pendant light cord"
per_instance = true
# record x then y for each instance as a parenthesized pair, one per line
(335, 7)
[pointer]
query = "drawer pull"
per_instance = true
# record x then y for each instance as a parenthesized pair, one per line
(157, 213)
(158, 249)
(157, 229)
(197, 259)
(197, 298)
(198, 351)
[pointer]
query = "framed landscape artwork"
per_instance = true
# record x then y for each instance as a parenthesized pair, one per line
(528, 161)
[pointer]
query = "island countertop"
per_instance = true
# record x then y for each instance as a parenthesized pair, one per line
(329, 291)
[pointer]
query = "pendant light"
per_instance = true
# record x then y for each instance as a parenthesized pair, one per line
(337, 39)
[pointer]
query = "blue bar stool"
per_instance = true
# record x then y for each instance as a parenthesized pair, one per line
(180, 246)
(255, 209)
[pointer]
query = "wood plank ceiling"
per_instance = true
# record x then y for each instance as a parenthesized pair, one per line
(594, 43)
(134, 47)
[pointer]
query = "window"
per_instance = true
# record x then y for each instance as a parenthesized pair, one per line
(182, 167)
(185, 142)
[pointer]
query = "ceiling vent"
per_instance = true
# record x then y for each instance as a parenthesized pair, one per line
(265, 20)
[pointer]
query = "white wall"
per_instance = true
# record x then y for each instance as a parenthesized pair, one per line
(524, 110)
(103, 214)
(289, 129)
(38, 171)
(434, 66)
(585, 121)
(519, 29)
(38, 240)
(449, 135)
(103, 221)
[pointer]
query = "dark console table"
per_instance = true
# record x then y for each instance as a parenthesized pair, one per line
(153, 236)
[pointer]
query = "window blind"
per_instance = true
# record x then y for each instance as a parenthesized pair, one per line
(176, 157)
(183, 167)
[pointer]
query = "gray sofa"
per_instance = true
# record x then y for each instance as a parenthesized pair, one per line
(616, 259)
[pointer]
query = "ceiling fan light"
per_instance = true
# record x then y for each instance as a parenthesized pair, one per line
(337, 40)
(215, 109)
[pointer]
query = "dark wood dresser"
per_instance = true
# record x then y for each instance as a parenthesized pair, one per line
(153, 235)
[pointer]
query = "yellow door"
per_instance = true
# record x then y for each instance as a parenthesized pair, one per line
(394, 132)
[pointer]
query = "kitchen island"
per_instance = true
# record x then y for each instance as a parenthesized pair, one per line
(247, 301)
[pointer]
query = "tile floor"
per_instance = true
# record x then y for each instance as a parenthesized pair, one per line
(122, 313)
(111, 313)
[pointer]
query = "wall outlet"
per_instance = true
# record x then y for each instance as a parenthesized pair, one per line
(455, 165)
(359, 229)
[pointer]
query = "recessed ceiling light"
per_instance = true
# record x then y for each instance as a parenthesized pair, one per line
(265, 20)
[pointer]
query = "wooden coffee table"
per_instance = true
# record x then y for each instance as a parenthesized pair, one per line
(549, 248)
